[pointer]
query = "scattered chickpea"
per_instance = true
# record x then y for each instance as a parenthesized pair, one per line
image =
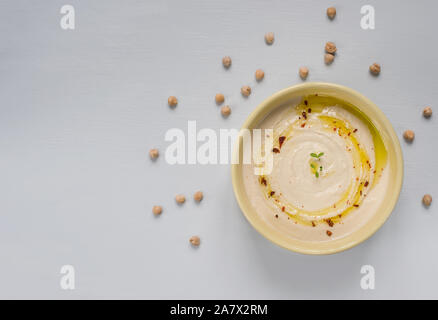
(226, 61)
(153, 153)
(304, 72)
(328, 58)
(427, 112)
(180, 199)
(330, 47)
(195, 241)
(246, 91)
(409, 135)
(226, 111)
(172, 101)
(269, 38)
(259, 74)
(219, 98)
(198, 196)
(157, 210)
(427, 200)
(331, 12)
(375, 69)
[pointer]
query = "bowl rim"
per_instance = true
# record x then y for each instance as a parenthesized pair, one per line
(396, 185)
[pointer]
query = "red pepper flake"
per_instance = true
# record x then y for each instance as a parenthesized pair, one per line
(304, 115)
(349, 133)
(305, 102)
(276, 150)
(272, 193)
(281, 140)
(355, 130)
(360, 192)
(283, 208)
(366, 184)
(334, 129)
(263, 181)
(356, 205)
(276, 215)
(309, 110)
(329, 222)
(329, 233)
(313, 224)
(302, 126)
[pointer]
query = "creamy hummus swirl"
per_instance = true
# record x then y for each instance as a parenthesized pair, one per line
(323, 165)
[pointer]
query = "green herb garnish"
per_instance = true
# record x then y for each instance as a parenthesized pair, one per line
(315, 170)
(312, 165)
(317, 156)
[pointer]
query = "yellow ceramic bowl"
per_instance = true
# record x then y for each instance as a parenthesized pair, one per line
(395, 159)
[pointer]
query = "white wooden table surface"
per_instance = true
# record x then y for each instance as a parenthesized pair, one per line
(79, 110)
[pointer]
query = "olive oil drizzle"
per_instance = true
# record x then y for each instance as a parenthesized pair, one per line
(367, 176)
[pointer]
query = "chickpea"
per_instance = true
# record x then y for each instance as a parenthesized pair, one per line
(330, 47)
(180, 199)
(246, 91)
(409, 135)
(269, 38)
(328, 58)
(157, 210)
(331, 12)
(375, 69)
(198, 196)
(226, 111)
(153, 153)
(195, 241)
(427, 112)
(172, 101)
(427, 200)
(259, 74)
(226, 61)
(219, 98)
(304, 72)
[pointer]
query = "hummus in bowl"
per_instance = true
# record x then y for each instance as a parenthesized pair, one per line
(335, 168)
